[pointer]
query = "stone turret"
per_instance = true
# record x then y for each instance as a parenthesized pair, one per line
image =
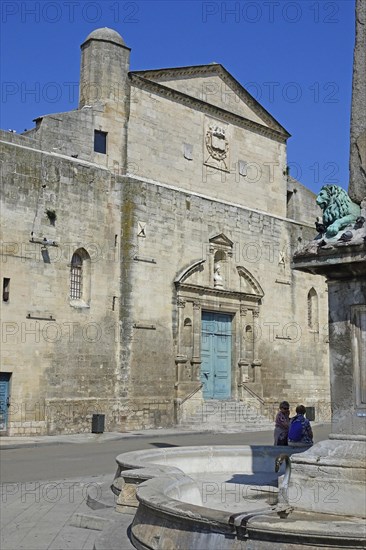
(105, 89)
(105, 62)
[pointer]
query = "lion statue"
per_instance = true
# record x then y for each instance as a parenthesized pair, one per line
(338, 209)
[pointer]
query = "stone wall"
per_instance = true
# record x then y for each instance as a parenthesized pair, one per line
(301, 204)
(200, 180)
(53, 346)
(177, 232)
(159, 128)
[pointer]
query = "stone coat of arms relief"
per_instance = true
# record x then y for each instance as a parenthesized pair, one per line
(217, 146)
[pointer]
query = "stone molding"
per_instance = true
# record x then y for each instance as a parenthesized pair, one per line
(243, 272)
(208, 108)
(215, 70)
(188, 271)
(205, 290)
(220, 240)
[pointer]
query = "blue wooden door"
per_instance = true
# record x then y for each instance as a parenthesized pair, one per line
(4, 400)
(216, 355)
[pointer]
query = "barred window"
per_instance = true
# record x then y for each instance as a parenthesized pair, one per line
(76, 279)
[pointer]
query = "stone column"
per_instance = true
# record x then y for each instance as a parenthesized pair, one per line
(180, 359)
(357, 184)
(180, 305)
(243, 363)
(256, 362)
(196, 357)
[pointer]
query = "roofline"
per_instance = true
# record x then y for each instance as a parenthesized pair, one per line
(182, 67)
(218, 68)
(281, 135)
(96, 39)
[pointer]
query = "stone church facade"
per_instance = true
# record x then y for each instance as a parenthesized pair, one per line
(147, 238)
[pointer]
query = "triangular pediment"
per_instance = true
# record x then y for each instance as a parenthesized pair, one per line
(214, 85)
(221, 240)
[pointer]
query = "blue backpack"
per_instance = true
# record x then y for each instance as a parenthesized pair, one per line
(295, 431)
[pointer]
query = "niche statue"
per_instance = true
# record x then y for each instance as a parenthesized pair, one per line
(218, 280)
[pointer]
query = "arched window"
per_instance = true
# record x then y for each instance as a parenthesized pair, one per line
(76, 277)
(313, 310)
(80, 277)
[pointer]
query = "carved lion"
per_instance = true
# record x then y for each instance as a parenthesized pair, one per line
(338, 209)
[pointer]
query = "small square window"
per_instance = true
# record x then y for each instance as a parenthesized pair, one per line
(100, 142)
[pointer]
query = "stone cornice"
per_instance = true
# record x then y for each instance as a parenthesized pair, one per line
(337, 262)
(208, 108)
(219, 70)
(205, 290)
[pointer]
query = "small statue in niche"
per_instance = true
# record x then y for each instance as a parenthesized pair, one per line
(218, 280)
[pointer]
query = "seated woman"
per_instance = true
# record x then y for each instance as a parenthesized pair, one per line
(282, 423)
(300, 433)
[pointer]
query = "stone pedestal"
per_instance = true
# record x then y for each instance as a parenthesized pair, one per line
(331, 476)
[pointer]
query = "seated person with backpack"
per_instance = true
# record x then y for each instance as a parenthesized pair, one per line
(300, 433)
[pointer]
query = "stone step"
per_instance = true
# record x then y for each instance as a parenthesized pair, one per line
(206, 418)
(90, 521)
(102, 498)
(98, 511)
(228, 418)
(227, 428)
(228, 415)
(216, 421)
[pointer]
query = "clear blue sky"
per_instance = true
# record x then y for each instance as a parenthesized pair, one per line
(294, 57)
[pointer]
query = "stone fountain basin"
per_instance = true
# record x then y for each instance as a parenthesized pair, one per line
(252, 460)
(218, 477)
(188, 497)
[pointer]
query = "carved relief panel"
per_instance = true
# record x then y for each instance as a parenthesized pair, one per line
(216, 145)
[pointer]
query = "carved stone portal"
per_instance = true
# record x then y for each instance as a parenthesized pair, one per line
(217, 285)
